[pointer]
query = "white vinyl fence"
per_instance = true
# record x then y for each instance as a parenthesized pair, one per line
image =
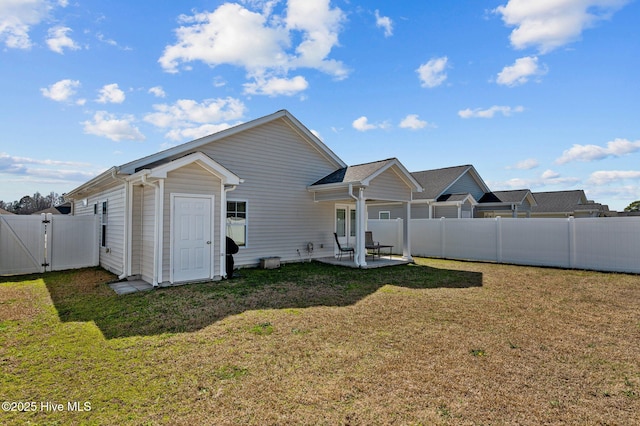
(32, 244)
(602, 244)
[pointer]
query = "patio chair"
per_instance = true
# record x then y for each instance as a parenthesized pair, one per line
(345, 249)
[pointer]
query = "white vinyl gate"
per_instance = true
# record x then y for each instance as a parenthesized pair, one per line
(33, 244)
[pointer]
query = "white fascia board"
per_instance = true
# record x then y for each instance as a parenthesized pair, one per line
(403, 174)
(97, 181)
(333, 186)
(213, 167)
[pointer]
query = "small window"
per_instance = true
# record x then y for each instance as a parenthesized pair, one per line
(384, 215)
(237, 222)
(103, 224)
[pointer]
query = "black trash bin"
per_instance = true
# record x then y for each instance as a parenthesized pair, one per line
(231, 249)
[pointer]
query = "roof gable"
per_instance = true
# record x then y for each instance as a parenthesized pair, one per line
(559, 201)
(362, 174)
(516, 196)
(188, 147)
(437, 182)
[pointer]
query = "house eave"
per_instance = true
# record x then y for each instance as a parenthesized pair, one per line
(105, 178)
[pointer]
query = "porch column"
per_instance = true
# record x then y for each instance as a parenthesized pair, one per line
(361, 220)
(406, 233)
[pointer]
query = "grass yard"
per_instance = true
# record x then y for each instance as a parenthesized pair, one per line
(440, 342)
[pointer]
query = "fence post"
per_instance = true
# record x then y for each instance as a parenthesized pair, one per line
(443, 244)
(572, 241)
(498, 239)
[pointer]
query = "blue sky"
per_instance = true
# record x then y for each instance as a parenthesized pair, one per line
(535, 94)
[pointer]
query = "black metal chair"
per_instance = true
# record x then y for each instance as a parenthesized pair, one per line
(345, 249)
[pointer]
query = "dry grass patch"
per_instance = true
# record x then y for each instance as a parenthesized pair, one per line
(438, 343)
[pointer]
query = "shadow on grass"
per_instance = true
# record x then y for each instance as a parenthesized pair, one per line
(85, 296)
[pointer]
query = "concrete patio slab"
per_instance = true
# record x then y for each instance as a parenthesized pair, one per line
(127, 287)
(371, 264)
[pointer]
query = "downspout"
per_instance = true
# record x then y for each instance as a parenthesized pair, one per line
(143, 180)
(127, 219)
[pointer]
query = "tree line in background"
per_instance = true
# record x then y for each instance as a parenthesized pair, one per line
(633, 207)
(32, 203)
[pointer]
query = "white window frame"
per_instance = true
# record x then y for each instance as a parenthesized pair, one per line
(381, 213)
(246, 220)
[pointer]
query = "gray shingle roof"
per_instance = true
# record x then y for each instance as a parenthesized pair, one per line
(558, 201)
(353, 174)
(453, 197)
(436, 181)
(515, 196)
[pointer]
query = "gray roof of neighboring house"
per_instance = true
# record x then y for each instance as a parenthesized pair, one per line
(454, 197)
(64, 208)
(436, 181)
(514, 196)
(558, 201)
(355, 173)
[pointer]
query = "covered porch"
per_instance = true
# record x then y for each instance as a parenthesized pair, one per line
(350, 190)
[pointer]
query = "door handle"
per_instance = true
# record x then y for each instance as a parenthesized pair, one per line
(208, 242)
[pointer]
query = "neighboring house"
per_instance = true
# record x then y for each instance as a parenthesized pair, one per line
(64, 208)
(3, 211)
(450, 192)
(515, 203)
(567, 203)
(270, 184)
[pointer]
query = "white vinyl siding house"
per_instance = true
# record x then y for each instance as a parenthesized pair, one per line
(169, 213)
(111, 250)
(266, 167)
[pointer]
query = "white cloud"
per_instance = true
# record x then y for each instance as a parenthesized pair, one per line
(277, 86)
(17, 17)
(58, 40)
(546, 178)
(548, 25)
(320, 26)
(185, 116)
(615, 148)
(605, 177)
(111, 93)
(158, 92)
(109, 126)
(53, 170)
(385, 23)
(520, 71)
(362, 124)
(261, 41)
(489, 112)
(549, 174)
(433, 73)
(528, 164)
(196, 132)
(412, 122)
(61, 91)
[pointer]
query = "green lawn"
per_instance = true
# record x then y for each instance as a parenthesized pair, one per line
(440, 342)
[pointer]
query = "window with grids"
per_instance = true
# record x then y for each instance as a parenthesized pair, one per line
(103, 224)
(237, 222)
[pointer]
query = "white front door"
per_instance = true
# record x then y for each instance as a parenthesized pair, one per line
(346, 224)
(192, 238)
